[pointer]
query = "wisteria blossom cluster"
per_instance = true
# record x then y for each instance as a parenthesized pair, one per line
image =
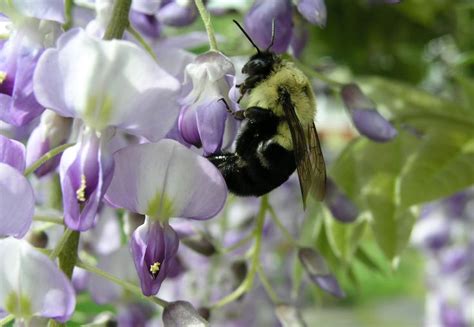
(104, 181)
(443, 232)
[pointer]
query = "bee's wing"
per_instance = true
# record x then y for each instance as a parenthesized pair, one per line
(307, 150)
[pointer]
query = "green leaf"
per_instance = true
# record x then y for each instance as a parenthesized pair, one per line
(368, 172)
(416, 107)
(442, 166)
(391, 224)
(343, 238)
(365, 258)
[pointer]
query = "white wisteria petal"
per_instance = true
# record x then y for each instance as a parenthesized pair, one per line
(31, 284)
(164, 180)
(17, 202)
(107, 83)
(41, 9)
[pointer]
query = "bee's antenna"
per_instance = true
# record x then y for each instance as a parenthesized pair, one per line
(273, 35)
(245, 33)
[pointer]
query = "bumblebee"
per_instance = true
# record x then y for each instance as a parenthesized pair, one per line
(278, 134)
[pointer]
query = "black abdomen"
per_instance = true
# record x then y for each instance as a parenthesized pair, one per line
(259, 164)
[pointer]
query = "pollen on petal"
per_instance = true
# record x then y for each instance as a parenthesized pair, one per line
(3, 76)
(81, 191)
(155, 268)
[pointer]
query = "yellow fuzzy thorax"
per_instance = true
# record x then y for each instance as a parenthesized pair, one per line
(265, 95)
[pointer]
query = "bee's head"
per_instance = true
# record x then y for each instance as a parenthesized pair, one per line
(262, 62)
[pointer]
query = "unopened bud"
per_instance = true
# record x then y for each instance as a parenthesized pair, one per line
(200, 244)
(182, 313)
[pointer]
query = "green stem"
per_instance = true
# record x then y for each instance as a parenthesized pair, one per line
(280, 225)
(119, 21)
(267, 286)
(126, 285)
(47, 219)
(6, 320)
(68, 255)
(62, 241)
(47, 156)
(248, 281)
(142, 41)
(68, 5)
(206, 18)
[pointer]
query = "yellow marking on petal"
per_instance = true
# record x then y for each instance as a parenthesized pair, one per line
(160, 207)
(81, 191)
(155, 268)
(3, 76)
(18, 305)
(98, 112)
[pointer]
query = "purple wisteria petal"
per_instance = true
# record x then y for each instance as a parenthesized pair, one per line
(146, 24)
(166, 179)
(149, 7)
(203, 115)
(314, 11)
(12, 153)
(52, 131)
(178, 14)
(258, 22)
(31, 284)
(85, 172)
(299, 39)
(135, 314)
(48, 10)
(131, 92)
(341, 207)
(17, 202)
(153, 245)
(18, 105)
(368, 121)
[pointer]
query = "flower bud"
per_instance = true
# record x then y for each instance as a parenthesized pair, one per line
(318, 271)
(182, 313)
(178, 13)
(314, 11)
(289, 316)
(200, 244)
(258, 24)
(367, 120)
(341, 207)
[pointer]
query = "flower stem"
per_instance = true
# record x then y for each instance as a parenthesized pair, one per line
(266, 285)
(68, 5)
(47, 156)
(126, 285)
(206, 19)
(248, 281)
(68, 255)
(142, 41)
(59, 247)
(119, 21)
(47, 219)
(280, 225)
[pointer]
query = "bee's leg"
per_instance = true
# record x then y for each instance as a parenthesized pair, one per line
(238, 115)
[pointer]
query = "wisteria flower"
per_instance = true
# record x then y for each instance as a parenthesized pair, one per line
(130, 92)
(258, 22)
(368, 121)
(203, 114)
(31, 284)
(178, 13)
(17, 200)
(164, 180)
